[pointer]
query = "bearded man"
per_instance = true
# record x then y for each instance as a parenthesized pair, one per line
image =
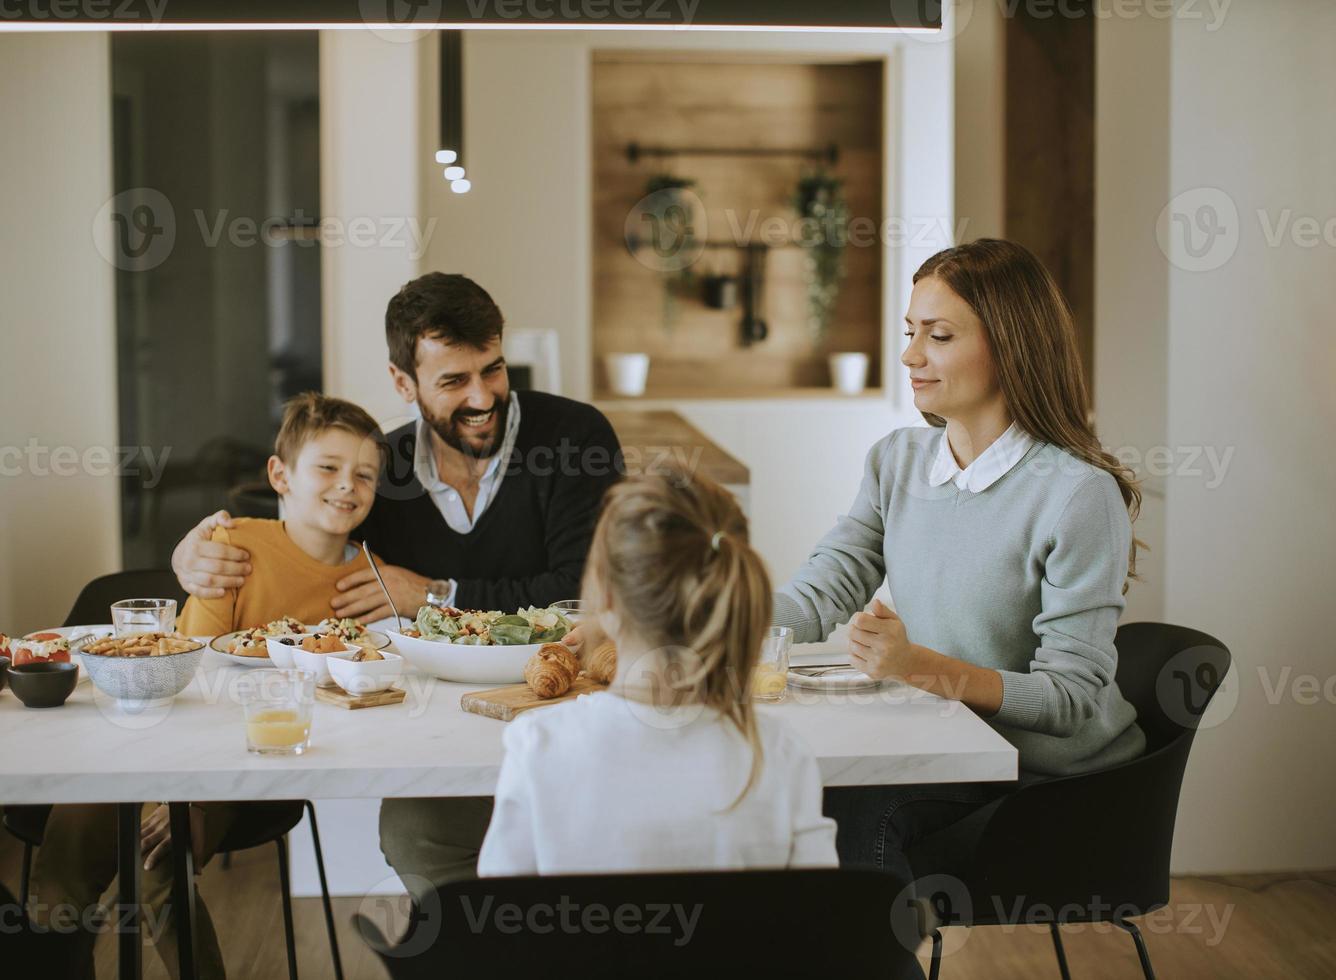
(488, 501)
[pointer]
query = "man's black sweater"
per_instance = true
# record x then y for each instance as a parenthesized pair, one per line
(529, 545)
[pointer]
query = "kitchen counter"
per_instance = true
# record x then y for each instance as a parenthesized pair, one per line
(652, 437)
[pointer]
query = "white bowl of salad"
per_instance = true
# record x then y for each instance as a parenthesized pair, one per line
(475, 647)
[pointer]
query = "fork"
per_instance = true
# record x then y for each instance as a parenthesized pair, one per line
(398, 620)
(820, 670)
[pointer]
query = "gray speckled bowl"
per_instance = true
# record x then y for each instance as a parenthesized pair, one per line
(142, 680)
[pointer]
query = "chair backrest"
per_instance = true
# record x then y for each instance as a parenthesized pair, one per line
(757, 923)
(1105, 834)
(1169, 674)
(94, 602)
(255, 498)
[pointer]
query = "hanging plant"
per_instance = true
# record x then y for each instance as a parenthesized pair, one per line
(668, 215)
(819, 201)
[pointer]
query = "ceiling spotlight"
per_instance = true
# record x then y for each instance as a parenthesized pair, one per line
(446, 156)
(454, 173)
(460, 186)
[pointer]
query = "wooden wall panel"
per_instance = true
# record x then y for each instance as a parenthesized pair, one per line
(1050, 154)
(656, 101)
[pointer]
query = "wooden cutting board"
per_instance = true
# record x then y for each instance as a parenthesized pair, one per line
(505, 703)
(340, 697)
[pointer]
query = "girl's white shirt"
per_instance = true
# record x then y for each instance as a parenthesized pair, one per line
(606, 784)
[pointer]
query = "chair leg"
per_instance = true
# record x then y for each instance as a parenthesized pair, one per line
(286, 887)
(1062, 953)
(25, 877)
(324, 893)
(1142, 953)
(935, 966)
(227, 860)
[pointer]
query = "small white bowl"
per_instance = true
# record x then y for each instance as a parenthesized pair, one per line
(367, 676)
(318, 663)
(281, 653)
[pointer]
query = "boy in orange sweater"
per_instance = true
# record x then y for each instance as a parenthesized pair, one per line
(326, 463)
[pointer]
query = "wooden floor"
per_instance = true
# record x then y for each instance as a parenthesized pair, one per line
(1240, 927)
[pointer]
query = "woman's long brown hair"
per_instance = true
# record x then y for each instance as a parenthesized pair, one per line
(1028, 326)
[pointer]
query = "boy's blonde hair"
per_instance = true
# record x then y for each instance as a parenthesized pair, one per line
(307, 415)
(671, 551)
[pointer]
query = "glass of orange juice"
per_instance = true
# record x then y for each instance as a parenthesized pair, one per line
(278, 707)
(770, 678)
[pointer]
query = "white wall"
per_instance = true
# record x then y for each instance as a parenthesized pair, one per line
(1131, 276)
(57, 325)
(980, 118)
(1252, 359)
(370, 166)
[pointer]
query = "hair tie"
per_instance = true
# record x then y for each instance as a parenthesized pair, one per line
(714, 541)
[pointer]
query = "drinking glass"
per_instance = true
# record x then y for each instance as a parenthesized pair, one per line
(278, 704)
(572, 609)
(131, 616)
(770, 679)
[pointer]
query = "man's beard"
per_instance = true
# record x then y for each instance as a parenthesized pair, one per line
(452, 430)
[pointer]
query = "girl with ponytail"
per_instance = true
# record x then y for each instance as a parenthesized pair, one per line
(671, 768)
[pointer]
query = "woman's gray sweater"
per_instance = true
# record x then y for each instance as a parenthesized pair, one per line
(1025, 577)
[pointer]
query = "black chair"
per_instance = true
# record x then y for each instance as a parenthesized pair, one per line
(255, 498)
(1088, 848)
(742, 923)
(259, 823)
(94, 602)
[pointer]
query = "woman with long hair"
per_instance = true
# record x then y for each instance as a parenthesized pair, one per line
(1004, 533)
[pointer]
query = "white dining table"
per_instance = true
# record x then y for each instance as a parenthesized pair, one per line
(91, 750)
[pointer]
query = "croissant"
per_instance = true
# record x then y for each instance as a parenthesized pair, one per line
(551, 671)
(563, 653)
(601, 662)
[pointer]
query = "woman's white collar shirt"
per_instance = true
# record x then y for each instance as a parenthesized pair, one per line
(990, 466)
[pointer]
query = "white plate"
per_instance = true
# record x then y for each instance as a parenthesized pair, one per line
(463, 663)
(101, 631)
(837, 679)
(221, 645)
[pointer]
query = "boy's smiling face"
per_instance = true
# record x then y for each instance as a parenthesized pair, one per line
(331, 485)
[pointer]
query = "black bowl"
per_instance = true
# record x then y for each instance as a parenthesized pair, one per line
(43, 685)
(4, 671)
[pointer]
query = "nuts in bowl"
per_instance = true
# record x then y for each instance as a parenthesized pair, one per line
(143, 645)
(145, 668)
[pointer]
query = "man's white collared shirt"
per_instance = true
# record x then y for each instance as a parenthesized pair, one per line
(445, 497)
(990, 465)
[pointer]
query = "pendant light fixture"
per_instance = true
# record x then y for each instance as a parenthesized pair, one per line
(451, 153)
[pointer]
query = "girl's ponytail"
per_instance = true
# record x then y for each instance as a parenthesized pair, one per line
(671, 551)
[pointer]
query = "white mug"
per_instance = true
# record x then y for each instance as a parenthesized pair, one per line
(848, 372)
(627, 373)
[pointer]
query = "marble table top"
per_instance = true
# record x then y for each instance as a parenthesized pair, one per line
(91, 751)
